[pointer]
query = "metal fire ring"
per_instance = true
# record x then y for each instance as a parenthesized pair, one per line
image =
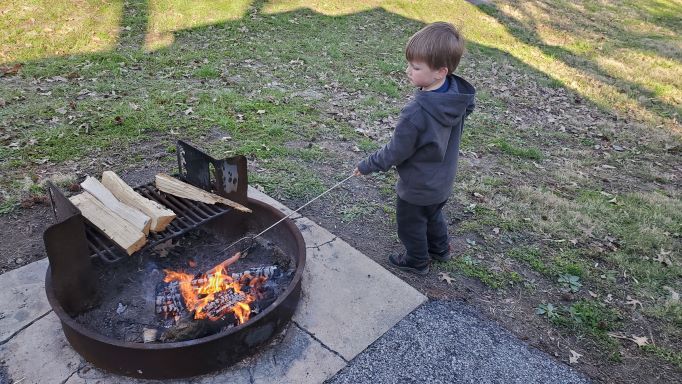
(198, 356)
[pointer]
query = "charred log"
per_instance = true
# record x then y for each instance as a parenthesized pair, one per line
(169, 303)
(188, 328)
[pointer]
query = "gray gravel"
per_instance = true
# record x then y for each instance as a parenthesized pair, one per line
(449, 342)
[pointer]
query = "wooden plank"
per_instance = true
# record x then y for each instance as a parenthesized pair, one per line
(160, 215)
(178, 188)
(121, 231)
(138, 219)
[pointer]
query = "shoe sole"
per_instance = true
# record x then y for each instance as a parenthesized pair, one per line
(421, 272)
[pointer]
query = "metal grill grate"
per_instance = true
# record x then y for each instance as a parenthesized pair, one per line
(190, 215)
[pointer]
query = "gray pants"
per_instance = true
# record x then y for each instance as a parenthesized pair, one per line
(422, 230)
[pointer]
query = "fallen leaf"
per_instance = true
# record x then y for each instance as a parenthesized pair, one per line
(61, 111)
(594, 295)
(444, 276)
(674, 296)
(6, 70)
(664, 257)
(189, 111)
(121, 308)
(574, 356)
(496, 231)
(260, 111)
(118, 120)
(471, 242)
(163, 248)
(633, 302)
(640, 340)
(134, 106)
(609, 298)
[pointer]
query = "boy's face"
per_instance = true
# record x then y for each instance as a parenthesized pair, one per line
(423, 76)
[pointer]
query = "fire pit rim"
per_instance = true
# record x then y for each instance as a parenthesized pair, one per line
(71, 323)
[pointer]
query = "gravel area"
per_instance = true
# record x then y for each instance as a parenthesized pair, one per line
(449, 342)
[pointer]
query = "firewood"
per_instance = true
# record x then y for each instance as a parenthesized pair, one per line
(189, 328)
(269, 272)
(138, 219)
(120, 231)
(178, 188)
(160, 215)
(222, 302)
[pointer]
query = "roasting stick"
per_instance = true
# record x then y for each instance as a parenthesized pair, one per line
(282, 219)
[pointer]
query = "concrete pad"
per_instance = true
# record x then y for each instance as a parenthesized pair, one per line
(22, 298)
(297, 358)
(348, 302)
(348, 299)
(40, 353)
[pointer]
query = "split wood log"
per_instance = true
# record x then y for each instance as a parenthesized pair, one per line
(138, 219)
(179, 188)
(160, 215)
(114, 227)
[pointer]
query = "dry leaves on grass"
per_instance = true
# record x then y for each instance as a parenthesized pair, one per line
(634, 302)
(8, 70)
(674, 296)
(639, 340)
(664, 257)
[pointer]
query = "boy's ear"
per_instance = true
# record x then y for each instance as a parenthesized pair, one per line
(443, 71)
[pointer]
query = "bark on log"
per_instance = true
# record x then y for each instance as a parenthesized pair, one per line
(160, 215)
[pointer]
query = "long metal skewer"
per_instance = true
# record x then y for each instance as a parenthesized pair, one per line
(284, 218)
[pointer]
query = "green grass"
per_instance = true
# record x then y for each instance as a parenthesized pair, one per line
(472, 267)
(514, 150)
(8, 206)
(674, 357)
(592, 319)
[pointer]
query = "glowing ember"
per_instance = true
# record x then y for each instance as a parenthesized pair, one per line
(215, 293)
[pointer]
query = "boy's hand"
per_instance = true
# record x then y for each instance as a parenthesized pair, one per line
(356, 172)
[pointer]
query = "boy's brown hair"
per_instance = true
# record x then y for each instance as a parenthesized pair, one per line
(439, 45)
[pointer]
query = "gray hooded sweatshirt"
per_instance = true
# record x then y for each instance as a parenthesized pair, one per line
(425, 145)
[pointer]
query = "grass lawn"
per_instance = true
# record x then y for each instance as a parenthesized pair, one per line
(567, 213)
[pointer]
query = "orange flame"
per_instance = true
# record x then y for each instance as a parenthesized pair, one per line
(199, 292)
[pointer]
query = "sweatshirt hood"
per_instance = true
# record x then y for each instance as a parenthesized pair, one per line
(447, 107)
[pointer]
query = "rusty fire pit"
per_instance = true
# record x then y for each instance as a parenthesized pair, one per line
(79, 256)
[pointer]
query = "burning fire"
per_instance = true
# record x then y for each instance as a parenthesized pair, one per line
(215, 293)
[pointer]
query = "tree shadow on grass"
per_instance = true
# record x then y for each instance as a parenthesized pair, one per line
(593, 31)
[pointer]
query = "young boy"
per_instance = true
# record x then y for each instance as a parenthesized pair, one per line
(425, 145)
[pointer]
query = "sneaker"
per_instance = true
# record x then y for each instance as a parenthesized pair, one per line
(401, 263)
(442, 256)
